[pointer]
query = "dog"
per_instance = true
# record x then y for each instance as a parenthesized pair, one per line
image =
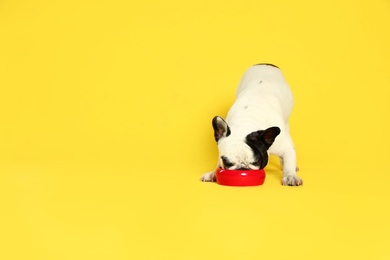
(257, 124)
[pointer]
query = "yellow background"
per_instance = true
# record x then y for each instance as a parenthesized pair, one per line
(105, 129)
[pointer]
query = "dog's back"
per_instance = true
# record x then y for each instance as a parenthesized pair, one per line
(264, 99)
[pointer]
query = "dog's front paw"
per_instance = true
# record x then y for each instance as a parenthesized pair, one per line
(210, 176)
(291, 180)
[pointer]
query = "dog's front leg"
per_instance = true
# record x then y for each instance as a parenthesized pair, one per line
(290, 177)
(209, 176)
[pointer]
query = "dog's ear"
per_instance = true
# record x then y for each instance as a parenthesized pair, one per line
(267, 137)
(221, 128)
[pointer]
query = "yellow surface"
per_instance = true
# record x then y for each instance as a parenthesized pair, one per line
(105, 129)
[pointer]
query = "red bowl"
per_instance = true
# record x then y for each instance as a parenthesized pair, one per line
(240, 177)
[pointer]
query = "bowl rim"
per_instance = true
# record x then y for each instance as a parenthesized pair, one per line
(219, 170)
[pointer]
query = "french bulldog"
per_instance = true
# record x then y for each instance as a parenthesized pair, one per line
(257, 124)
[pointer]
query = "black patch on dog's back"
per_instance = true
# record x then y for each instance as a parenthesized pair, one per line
(266, 64)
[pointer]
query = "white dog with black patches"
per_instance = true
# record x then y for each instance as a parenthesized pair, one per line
(260, 114)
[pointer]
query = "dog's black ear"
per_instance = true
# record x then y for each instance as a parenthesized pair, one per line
(221, 128)
(267, 137)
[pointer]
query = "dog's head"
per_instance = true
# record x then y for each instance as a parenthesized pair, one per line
(236, 153)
